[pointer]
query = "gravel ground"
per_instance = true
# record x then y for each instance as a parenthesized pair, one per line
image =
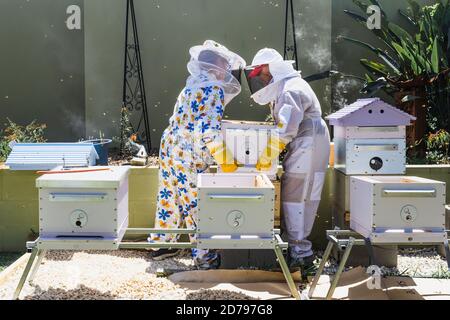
(217, 295)
(100, 275)
(424, 263)
(131, 274)
(417, 263)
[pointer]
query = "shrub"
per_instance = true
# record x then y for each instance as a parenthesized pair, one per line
(33, 132)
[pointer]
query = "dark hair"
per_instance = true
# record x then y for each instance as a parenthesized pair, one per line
(211, 57)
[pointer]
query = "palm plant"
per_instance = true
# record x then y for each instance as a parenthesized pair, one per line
(414, 67)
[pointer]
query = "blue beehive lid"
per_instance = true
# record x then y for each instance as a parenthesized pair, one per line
(370, 113)
(47, 156)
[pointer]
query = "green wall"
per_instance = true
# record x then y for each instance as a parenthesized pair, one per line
(72, 79)
(19, 209)
(168, 29)
(42, 67)
(38, 51)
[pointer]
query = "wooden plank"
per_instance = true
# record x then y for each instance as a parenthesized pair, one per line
(277, 219)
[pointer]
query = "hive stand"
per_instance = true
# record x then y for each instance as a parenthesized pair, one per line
(345, 240)
(38, 249)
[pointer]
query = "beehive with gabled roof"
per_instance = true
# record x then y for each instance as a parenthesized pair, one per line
(372, 112)
(370, 138)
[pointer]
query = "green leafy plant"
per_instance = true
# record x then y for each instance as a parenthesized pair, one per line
(33, 132)
(441, 273)
(126, 133)
(438, 145)
(414, 66)
(415, 56)
(6, 259)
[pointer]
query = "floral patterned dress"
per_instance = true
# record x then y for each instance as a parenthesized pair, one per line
(183, 155)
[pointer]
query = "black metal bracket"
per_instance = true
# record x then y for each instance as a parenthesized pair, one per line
(370, 251)
(290, 46)
(133, 96)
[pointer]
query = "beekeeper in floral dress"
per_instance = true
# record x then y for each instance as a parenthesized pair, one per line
(193, 141)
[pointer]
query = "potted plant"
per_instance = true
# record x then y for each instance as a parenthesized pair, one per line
(101, 145)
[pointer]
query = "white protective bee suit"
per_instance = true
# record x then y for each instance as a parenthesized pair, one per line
(298, 116)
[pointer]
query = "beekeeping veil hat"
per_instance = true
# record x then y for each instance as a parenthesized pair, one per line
(213, 64)
(280, 69)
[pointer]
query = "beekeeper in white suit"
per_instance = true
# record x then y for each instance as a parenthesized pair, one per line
(301, 129)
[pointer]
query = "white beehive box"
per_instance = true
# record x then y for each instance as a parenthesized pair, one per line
(247, 140)
(83, 211)
(235, 211)
(395, 209)
(370, 138)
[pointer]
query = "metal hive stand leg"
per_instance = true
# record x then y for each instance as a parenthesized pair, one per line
(25, 273)
(40, 256)
(447, 253)
(287, 273)
(321, 267)
(370, 251)
(340, 269)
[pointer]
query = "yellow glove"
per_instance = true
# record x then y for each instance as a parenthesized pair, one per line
(261, 167)
(272, 151)
(229, 168)
(223, 156)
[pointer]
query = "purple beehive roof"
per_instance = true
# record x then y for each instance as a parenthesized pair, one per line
(370, 113)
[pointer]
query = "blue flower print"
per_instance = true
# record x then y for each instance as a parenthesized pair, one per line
(182, 178)
(164, 215)
(207, 90)
(221, 94)
(219, 110)
(205, 126)
(184, 190)
(194, 106)
(165, 194)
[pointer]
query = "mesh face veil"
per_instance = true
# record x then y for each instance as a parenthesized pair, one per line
(237, 74)
(213, 64)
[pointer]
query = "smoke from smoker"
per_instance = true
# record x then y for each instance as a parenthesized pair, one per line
(313, 46)
(342, 91)
(317, 55)
(74, 121)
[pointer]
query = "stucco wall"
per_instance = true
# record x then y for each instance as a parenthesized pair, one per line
(42, 67)
(72, 79)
